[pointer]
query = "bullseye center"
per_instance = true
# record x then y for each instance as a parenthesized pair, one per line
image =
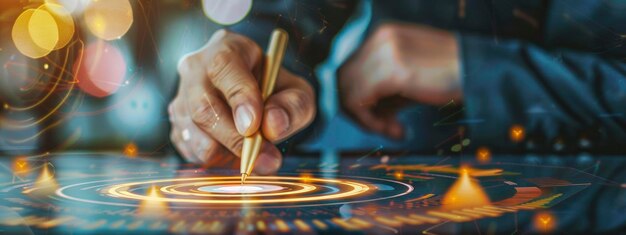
(239, 189)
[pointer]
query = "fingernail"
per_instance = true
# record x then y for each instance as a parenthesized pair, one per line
(243, 118)
(278, 121)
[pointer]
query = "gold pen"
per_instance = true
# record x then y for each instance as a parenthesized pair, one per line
(273, 59)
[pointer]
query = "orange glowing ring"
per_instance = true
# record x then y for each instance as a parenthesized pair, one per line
(122, 191)
(173, 189)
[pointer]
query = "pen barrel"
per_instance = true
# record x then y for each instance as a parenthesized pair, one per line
(271, 68)
(275, 53)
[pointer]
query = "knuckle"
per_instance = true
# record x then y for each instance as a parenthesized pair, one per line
(233, 92)
(219, 64)
(219, 36)
(186, 62)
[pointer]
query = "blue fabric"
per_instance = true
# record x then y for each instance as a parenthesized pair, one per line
(553, 67)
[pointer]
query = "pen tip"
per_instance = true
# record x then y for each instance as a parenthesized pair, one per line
(243, 177)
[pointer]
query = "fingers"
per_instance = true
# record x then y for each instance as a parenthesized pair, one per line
(213, 117)
(179, 135)
(221, 98)
(290, 109)
(230, 72)
(269, 160)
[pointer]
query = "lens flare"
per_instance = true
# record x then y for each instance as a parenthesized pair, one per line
(226, 12)
(102, 70)
(109, 19)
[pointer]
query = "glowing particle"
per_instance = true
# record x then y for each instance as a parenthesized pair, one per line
(384, 159)
(226, 12)
(102, 69)
(46, 66)
(20, 166)
(544, 222)
(456, 148)
(22, 34)
(464, 193)
(517, 133)
(483, 155)
(130, 150)
(109, 19)
(399, 175)
(306, 177)
(6, 106)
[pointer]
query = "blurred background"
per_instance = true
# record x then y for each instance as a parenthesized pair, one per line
(97, 75)
(92, 75)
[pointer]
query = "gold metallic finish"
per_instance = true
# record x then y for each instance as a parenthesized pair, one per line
(273, 60)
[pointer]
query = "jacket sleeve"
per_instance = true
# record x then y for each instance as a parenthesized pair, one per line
(564, 100)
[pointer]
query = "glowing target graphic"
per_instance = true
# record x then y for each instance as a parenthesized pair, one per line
(227, 191)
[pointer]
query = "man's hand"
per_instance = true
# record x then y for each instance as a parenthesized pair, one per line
(219, 102)
(399, 63)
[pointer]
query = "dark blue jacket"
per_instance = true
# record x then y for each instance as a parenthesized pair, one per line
(552, 67)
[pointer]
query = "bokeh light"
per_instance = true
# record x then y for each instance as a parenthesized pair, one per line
(37, 32)
(64, 22)
(517, 133)
(102, 69)
(22, 33)
(483, 155)
(226, 12)
(71, 5)
(43, 29)
(544, 222)
(109, 19)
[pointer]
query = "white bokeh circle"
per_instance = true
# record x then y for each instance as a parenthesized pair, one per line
(226, 12)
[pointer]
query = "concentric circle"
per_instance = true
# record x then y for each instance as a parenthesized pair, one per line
(227, 191)
(348, 188)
